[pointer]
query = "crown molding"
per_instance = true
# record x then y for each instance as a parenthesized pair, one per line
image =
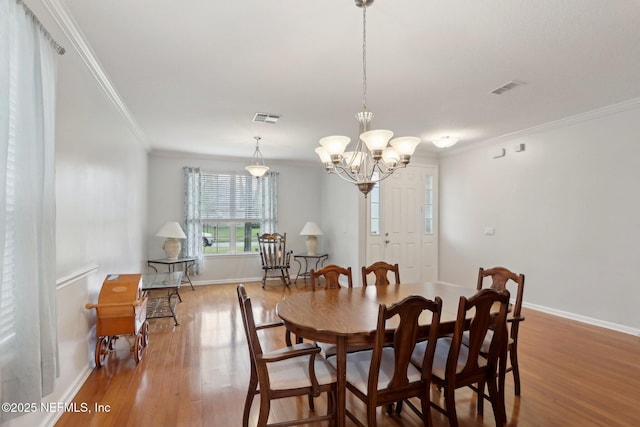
(556, 124)
(67, 24)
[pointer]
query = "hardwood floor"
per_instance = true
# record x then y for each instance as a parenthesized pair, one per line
(196, 374)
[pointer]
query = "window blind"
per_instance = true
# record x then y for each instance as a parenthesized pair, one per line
(229, 196)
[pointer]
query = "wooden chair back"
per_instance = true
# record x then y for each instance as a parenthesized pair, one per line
(405, 336)
(279, 383)
(381, 271)
(501, 280)
(274, 256)
(478, 367)
(273, 250)
(331, 274)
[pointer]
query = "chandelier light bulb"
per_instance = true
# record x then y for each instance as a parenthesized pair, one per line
(376, 139)
(324, 156)
(353, 159)
(335, 145)
(390, 156)
(405, 145)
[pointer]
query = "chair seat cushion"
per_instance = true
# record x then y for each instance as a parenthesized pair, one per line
(358, 365)
(294, 372)
(485, 344)
(440, 357)
(328, 350)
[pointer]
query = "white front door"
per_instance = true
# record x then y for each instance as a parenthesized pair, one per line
(401, 223)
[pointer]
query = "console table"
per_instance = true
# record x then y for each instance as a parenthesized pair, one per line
(319, 262)
(171, 265)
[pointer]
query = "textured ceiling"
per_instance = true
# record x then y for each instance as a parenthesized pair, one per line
(193, 73)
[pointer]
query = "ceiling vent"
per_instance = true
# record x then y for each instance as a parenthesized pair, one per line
(265, 118)
(511, 85)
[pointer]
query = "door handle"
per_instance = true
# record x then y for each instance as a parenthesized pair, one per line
(386, 241)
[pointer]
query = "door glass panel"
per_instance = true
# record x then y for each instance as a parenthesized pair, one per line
(428, 205)
(374, 207)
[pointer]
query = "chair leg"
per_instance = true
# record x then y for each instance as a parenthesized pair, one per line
(514, 367)
(497, 403)
(265, 407)
(425, 401)
(371, 415)
(285, 277)
(264, 278)
(312, 405)
(480, 399)
(450, 403)
(331, 407)
(253, 384)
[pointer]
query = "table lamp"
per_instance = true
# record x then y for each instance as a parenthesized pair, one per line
(172, 231)
(312, 231)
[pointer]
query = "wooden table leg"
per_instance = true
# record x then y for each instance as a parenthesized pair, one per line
(341, 368)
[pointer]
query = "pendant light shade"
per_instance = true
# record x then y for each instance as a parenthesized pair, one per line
(257, 167)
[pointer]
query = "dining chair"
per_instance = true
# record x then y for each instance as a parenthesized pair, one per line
(501, 279)
(381, 271)
(274, 256)
(331, 274)
(385, 375)
(296, 370)
(456, 365)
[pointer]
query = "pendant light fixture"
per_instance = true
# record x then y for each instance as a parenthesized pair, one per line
(257, 167)
(374, 157)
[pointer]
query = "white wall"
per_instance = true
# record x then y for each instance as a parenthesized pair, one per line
(565, 213)
(341, 223)
(101, 195)
(299, 201)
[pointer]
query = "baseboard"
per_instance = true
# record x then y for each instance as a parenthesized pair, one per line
(225, 281)
(53, 416)
(584, 319)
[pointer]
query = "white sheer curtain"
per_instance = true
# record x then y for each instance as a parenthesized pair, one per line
(193, 215)
(269, 202)
(28, 342)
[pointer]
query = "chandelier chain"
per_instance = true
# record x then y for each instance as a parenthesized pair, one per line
(375, 155)
(364, 57)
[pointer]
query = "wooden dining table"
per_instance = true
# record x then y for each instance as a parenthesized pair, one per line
(347, 317)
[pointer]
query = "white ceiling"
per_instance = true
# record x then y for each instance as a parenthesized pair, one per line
(193, 73)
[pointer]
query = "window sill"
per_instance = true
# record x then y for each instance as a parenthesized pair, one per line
(242, 255)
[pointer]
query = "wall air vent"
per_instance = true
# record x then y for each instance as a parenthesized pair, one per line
(511, 85)
(265, 118)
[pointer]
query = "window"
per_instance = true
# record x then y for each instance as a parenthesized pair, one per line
(428, 205)
(235, 208)
(374, 206)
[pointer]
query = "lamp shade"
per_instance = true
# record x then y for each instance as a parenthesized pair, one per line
(311, 229)
(405, 145)
(335, 145)
(171, 229)
(257, 170)
(376, 139)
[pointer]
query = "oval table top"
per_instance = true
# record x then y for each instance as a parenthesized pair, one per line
(353, 312)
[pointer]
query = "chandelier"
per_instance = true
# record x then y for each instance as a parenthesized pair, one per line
(375, 155)
(257, 167)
